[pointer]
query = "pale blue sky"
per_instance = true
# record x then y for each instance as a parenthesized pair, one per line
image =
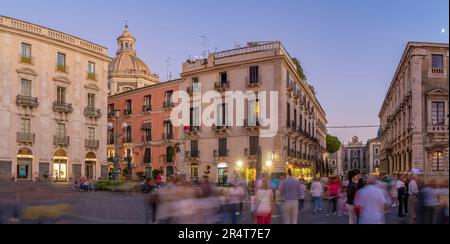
(349, 48)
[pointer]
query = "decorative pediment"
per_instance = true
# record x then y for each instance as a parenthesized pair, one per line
(438, 91)
(62, 79)
(27, 71)
(92, 87)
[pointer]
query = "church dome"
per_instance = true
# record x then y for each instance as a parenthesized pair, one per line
(126, 63)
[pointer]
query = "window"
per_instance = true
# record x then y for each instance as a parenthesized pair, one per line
(254, 74)
(288, 115)
(194, 173)
(221, 116)
(60, 130)
(169, 97)
(194, 149)
(148, 134)
(111, 110)
(223, 151)
(223, 78)
(91, 100)
(437, 61)
(60, 95)
(376, 151)
(25, 126)
(91, 68)
(148, 156)
(438, 161)
(61, 62)
(168, 129)
(128, 134)
(254, 145)
(147, 103)
(91, 133)
(25, 87)
(437, 113)
(128, 107)
(26, 53)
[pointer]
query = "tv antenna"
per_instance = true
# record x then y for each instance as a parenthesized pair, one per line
(168, 66)
(205, 46)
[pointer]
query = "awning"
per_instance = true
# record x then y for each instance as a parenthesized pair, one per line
(146, 126)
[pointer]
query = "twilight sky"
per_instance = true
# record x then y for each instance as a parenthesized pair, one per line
(349, 49)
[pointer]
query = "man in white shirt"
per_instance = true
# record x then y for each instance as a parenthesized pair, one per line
(413, 190)
(372, 202)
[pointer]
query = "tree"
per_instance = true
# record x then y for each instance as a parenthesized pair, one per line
(299, 68)
(333, 144)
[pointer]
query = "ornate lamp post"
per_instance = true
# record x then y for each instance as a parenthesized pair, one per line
(116, 160)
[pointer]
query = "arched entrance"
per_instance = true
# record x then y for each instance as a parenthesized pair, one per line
(222, 171)
(169, 171)
(24, 164)
(110, 171)
(89, 165)
(60, 161)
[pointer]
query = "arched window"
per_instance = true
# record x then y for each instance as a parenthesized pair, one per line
(376, 151)
(121, 45)
(438, 161)
(131, 46)
(126, 45)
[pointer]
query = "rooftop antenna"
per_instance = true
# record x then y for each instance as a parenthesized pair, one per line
(126, 24)
(168, 66)
(205, 46)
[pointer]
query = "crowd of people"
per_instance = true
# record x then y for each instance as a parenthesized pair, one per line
(365, 199)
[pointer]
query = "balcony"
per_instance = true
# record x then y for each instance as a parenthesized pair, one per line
(168, 105)
(127, 112)
(222, 86)
(167, 136)
(221, 129)
(146, 138)
(437, 129)
(92, 113)
(25, 138)
(62, 68)
(61, 141)
(146, 108)
(127, 140)
(252, 125)
(252, 83)
(91, 144)
(298, 154)
(191, 130)
(26, 101)
(251, 152)
(193, 154)
(289, 86)
(437, 71)
(60, 107)
(291, 153)
(92, 76)
(221, 153)
(26, 60)
(111, 115)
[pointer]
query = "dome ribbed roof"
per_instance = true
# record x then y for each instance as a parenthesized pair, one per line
(128, 63)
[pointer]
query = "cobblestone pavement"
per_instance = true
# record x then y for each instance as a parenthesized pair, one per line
(116, 208)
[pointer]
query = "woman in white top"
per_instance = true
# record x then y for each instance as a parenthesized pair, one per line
(263, 203)
(316, 192)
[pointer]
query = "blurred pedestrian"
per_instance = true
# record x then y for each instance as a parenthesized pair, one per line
(413, 191)
(431, 202)
(342, 199)
(290, 191)
(301, 198)
(333, 191)
(353, 176)
(275, 185)
(372, 203)
(263, 204)
(316, 193)
(401, 196)
(443, 202)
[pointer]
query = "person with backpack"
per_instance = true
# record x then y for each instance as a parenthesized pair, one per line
(353, 177)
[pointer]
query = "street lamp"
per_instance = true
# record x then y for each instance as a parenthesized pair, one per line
(116, 159)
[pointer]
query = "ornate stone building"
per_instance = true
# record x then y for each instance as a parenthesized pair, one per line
(126, 71)
(355, 156)
(374, 152)
(230, 153)
(52, 104)
(414, 114)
